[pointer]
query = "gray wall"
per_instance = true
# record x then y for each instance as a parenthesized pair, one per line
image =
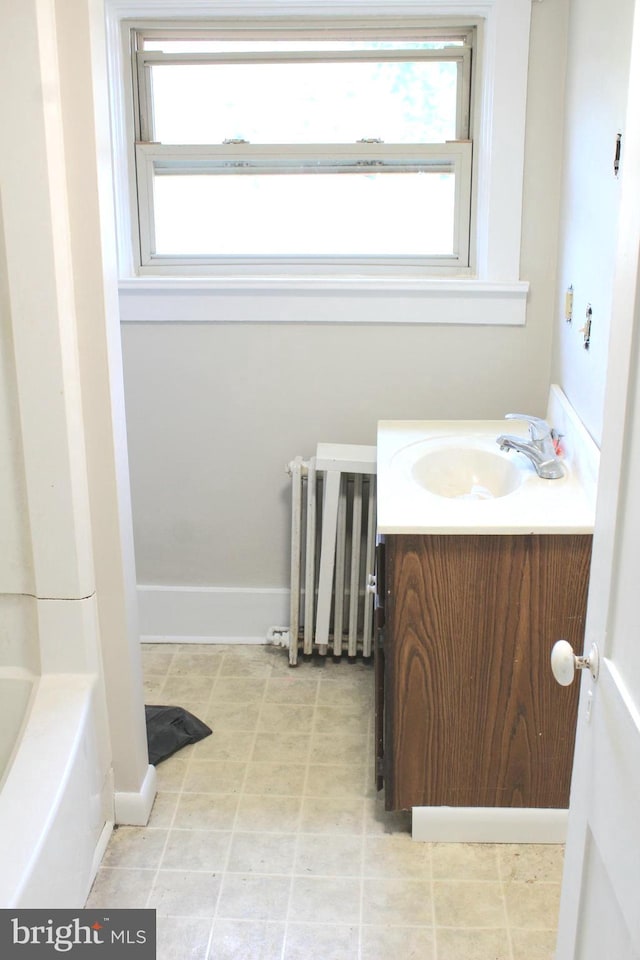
(215, 411)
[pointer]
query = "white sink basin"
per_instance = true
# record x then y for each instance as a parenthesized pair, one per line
(465, 470)
(450, 476)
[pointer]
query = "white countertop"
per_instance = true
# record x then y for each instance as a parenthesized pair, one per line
(566, 505)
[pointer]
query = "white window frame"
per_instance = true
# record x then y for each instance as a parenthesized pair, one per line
(499, 106)
(235, 159)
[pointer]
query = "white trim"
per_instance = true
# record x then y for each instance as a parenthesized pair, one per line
(248, 285)
(298, 299)
(101, 847)
(210, 614)
(500, 110)
(135, 808)
(488, 825)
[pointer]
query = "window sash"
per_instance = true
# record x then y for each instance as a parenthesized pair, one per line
(146, 59)
(236, 159)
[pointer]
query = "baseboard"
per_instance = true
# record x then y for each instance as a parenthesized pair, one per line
(488, 825)
(209, 614)
(135, 808)
(101, 846)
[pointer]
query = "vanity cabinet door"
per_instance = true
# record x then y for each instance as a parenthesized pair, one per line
(473, 716)
(378, 664)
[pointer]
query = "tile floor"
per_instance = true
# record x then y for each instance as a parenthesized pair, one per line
(267, 840)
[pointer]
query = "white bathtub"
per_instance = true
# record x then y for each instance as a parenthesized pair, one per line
(54, 813)
(16, 688)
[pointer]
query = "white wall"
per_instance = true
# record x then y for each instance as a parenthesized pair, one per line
(18, 633)
(597, 82)
(216, 410)
(66, 576)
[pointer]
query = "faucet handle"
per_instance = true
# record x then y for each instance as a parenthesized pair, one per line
(539, 429)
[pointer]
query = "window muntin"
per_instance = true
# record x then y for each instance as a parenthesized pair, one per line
(367, 138)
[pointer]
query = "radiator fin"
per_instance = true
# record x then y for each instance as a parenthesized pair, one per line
(333, 527)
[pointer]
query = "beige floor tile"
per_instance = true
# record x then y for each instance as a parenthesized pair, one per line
(330, 780)
(329, 856)
(179, 893)
(291, 689)
(238, 690)
(156, 662)
(278, 660)
(397, 856)
(246, 940)
(163, 809)
(214, 776)
(281, 747)
(164, 647)
(344, 815)
(203, 811)
(465, 861)
(378, 821)
(180, 938)
(176, 688)
(337, 717)
(344, 693)
(284, 826)
(397, 902)
(268, 814)
(228, 715)
(292, 717)
(282, 779)
(271, 853)
(240, 664)
(196, 850)
(472, 944)
(307, 941)
(393, 943)
(533, 944)
(196, 707)
(135, 847)
(214, 649)
(171, 773)
(196, 664)
(532, 906)
(121, 888)
(461, 903)
(329, 748)
(153, 686)
(325, 900)
(255, 897)
(233, 745)
(531, 862)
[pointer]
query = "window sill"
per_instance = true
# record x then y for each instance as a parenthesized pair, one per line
(376, 300)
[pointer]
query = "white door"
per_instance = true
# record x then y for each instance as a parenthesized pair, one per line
(600, 905)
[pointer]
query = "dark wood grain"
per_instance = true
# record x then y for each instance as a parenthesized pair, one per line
(473, 716)
(378, 662)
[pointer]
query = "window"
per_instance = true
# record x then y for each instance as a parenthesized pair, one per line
(302, 147)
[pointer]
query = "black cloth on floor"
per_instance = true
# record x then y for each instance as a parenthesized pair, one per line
(169, 729)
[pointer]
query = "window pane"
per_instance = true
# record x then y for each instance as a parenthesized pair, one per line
(368, 214)
(398, 102)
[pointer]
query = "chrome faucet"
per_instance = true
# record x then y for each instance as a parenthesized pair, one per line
(539, 449)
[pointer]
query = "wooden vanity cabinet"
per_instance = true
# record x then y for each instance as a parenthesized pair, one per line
(468, 712)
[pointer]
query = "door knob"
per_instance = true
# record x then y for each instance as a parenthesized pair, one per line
(564, 662)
